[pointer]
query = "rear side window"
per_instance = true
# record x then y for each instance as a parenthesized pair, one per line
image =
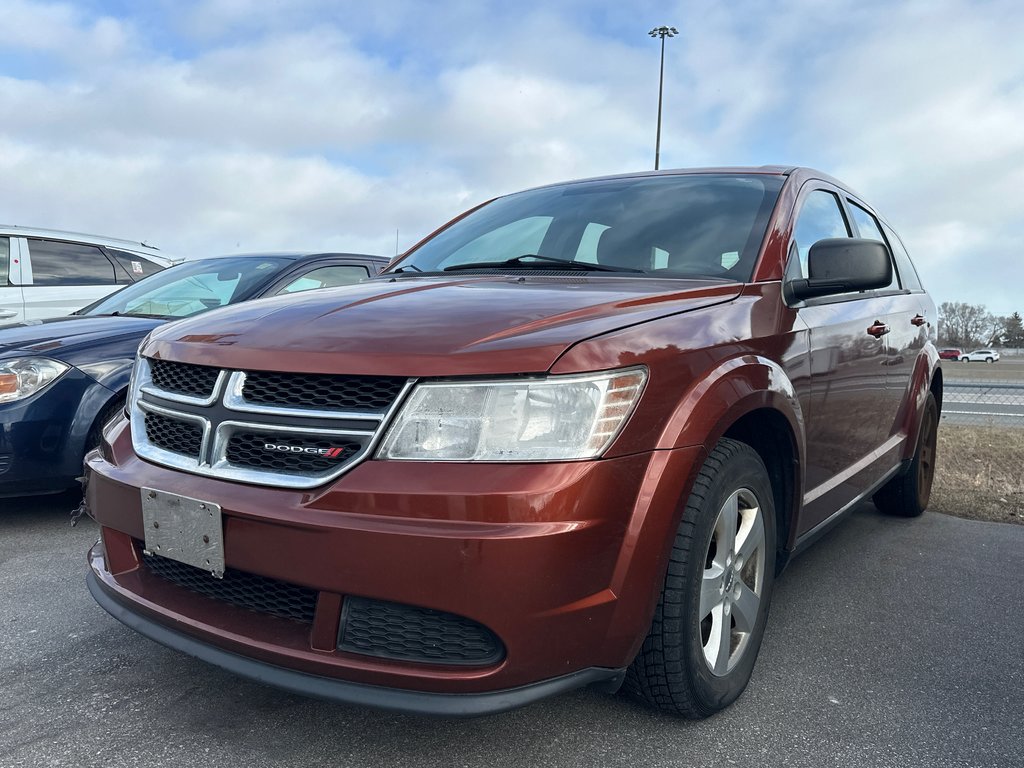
(5, 261)
(908, 273)
(136, 266)
(57, 263)
(867, 226)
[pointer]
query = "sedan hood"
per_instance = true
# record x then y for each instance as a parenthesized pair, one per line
(69, 338)
(429, 326)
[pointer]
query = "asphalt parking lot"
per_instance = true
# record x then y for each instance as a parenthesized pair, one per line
(891, 643)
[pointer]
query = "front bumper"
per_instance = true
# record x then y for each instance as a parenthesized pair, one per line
(562, 562)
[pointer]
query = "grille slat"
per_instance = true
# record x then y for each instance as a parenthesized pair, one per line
(240, 588)
(184, 437)
(373, 394)
(408, 633)
(247, 449)
(183, 378)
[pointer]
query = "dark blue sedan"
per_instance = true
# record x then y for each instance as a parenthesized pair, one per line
(62, 379)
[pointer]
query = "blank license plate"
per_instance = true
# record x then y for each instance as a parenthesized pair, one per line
(184, 529)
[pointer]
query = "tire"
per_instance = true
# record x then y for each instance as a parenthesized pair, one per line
(989, 360)
(907, 495)
(109, 411)
(965, 359)
(678, 669)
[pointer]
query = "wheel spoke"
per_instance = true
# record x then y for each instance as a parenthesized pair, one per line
(744, 609)
(716, 649)
(725, 526)
(750, 538)
(724, 644)
(711, 589)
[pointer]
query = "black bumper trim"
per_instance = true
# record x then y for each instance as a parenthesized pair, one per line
(395, 699)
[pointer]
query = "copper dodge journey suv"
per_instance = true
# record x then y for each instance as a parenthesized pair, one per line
(569, 438)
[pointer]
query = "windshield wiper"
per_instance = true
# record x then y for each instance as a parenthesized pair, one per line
(543, 262)
(406, 268)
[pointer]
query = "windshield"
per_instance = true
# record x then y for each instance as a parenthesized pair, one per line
(190, 288)
(696, 225)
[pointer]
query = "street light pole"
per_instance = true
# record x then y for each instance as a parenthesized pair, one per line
(661, 32)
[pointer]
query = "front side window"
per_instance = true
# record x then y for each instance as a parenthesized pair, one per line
(684, 226)
(58, 263)
(192, 287)
(325, 277)
(820, 218)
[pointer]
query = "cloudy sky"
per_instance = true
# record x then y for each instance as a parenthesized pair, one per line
(226, 125)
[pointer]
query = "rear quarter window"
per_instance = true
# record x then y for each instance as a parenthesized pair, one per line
(136, 266)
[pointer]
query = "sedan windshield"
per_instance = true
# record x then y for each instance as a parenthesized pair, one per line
(683, 226)
(190, 288)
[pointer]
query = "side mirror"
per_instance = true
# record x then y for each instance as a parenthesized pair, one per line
(843, 265)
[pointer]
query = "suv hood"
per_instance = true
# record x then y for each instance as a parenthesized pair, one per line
(65, 338)
(429, 326)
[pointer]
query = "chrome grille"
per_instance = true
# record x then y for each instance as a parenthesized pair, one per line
(287, 430)
(174, 435)
(184, 378)
(332, 393)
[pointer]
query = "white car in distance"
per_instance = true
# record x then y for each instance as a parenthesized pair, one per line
(980, 356)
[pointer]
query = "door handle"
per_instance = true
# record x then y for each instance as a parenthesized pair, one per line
(7, 313)
(878, 330)
(917, 320)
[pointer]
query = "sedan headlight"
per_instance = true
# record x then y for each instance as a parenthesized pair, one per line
(549, 419)
(24, 376)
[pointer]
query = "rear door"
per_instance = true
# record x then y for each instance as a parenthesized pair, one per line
(12, 305)
(64, 276)
(906, 321)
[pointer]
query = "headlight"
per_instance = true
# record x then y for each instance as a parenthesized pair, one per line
(550, 419)
(24, 376)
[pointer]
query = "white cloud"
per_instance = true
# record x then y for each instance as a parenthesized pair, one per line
(316, 124)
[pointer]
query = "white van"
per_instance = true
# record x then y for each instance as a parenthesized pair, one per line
(46, 272)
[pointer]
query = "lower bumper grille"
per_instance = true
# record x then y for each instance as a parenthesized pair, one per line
(374, 628)
(407, 633)
(246, 590)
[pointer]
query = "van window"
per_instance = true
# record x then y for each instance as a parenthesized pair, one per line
(5, 261)
(58, 263)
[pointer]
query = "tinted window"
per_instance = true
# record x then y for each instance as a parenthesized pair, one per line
(326, 277)
(136, 266)
(697, 225)
(5, 260)
(193, 287)
(820, 218)
(908, 273)
(56, 263)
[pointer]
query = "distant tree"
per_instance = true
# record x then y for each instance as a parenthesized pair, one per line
(967, 325)
(1013, 330)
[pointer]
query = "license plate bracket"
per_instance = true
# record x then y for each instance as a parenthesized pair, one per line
(181, 528)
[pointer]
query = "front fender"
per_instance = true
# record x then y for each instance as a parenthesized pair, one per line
(734, 388)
